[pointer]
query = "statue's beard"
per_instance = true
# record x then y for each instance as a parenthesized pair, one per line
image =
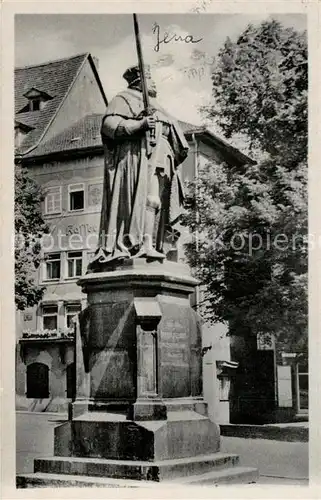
(151, 92)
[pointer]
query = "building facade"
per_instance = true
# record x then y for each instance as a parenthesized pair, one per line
(58, 107)
(271, 384)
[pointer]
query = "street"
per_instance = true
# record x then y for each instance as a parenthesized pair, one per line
(278, 461)
(34, 438)
(274, 459)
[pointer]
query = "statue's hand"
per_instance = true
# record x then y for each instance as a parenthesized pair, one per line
(146, 112)
(148, 123)
(130, 127)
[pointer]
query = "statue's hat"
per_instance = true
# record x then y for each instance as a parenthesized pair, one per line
(132, 74)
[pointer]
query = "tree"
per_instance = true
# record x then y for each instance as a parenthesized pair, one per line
(251, 221)
(29, 228)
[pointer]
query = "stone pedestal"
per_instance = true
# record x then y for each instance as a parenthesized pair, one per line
(141, 359)
(139, 411)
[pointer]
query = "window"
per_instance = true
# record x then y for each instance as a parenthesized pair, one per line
(53, 266)
(35, 104)
(50, 317)
(74, 260)
(37, 381)
(71, 311)
(37, 100)
(95, 195)
(53, 200)
(19, 135)
(70, 374)
(284, 380)
(76, 197)
(303, 386)
(20, 132)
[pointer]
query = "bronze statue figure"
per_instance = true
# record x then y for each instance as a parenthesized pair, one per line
(143, 193)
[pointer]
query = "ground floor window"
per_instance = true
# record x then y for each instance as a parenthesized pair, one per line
(37, 381)
(71, 311)
(303, 386)
(50, 317)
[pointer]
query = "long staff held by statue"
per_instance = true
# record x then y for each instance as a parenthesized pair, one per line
(150, 135)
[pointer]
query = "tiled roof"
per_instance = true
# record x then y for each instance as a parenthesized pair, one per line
(53, 78)
(189, 128)
(215, 140)
(83, 134)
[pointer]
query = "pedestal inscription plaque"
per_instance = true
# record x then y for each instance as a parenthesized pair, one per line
(175, 348)
(177, 341)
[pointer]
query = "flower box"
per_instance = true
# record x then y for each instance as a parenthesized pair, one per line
(60, 333)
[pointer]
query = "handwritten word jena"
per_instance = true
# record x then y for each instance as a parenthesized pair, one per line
(201, 6)
(167, 38)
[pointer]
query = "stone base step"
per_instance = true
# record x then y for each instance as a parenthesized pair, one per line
(104, 435)
(135, 469)
(231, 475)
(43, 480)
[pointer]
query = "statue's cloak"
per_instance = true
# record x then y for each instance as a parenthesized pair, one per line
(128, 171)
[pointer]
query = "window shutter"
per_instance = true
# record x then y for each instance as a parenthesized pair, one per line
(284, 386)
(53, 200)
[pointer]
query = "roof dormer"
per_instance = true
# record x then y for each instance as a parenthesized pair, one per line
(37, 99)
(20, 131)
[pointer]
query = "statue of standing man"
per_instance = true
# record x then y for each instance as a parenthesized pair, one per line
(143, 194)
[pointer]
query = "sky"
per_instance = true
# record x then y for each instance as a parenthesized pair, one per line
(183, 86)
